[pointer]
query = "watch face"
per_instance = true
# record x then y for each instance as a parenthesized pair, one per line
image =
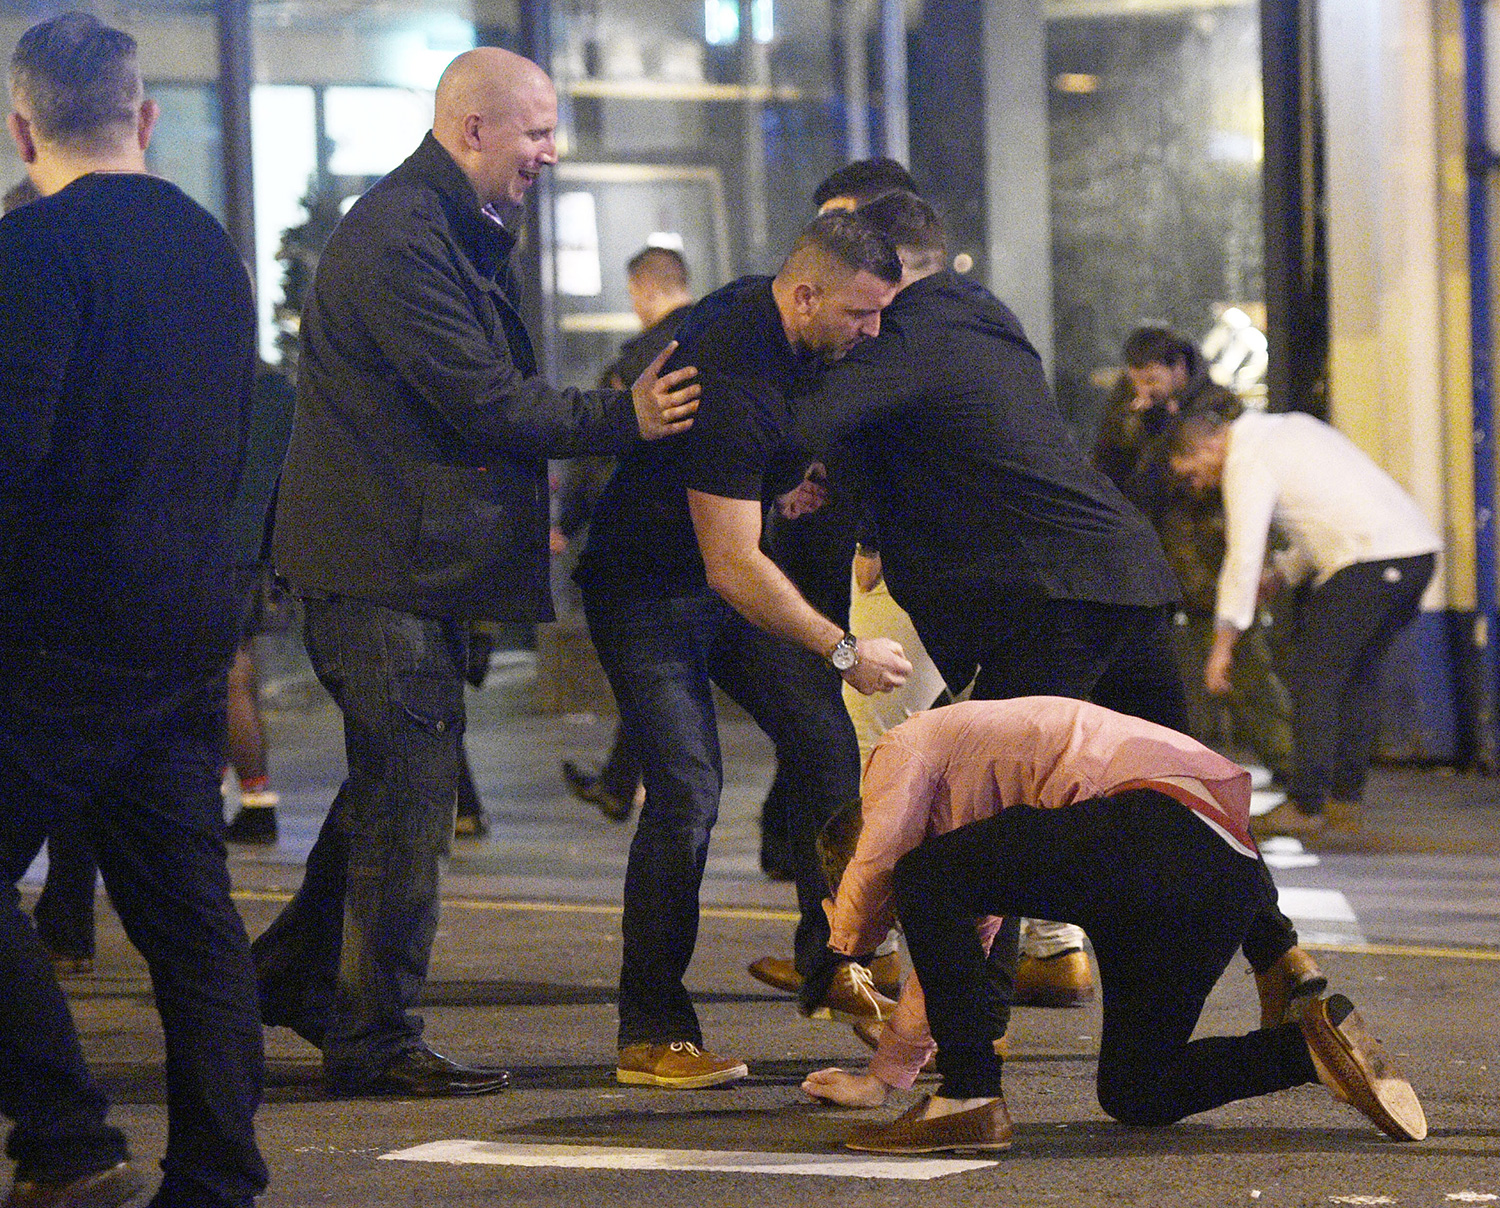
(843, 656)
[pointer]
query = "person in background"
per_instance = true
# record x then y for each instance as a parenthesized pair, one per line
(127, 360)
(1361, 555)
(657, 280)
(1165, 379)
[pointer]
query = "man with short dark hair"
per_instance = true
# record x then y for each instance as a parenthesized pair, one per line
(675, 585)
(413, 502)
(861, 181)
(1015, 558)
(127, 349)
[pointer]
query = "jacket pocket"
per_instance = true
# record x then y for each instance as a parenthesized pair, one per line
(473, 530)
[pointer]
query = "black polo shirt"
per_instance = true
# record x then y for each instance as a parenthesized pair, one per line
(641, 542)
(975, 482)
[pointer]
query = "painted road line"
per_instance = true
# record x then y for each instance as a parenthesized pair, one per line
(1322, 915)
(1345, 943)
(616, 1157)
(1282, 851)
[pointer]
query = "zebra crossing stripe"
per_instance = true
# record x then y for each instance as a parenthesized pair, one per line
(619, 1157)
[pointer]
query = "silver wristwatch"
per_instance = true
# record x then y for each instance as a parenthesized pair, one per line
(846, 654)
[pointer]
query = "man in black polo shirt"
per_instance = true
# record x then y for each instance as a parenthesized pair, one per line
(663, 634)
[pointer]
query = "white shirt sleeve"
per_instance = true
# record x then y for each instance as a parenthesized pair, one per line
(1250, 492)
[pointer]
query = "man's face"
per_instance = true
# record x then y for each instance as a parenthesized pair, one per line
(837, 316)
(1201, 468)
(518, 142)
(1156, 384)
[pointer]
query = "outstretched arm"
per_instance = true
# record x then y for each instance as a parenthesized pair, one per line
(729, 538)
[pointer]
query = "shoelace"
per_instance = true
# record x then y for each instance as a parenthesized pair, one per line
(685, 1046)
(864, 981)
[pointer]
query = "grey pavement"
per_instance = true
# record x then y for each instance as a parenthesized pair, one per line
(525, 965)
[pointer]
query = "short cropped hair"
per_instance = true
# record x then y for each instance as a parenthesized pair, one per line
(1158, 346)
(836, 843)
(79, 76)
(864, 180)
(912, 225)
(853, 241)
(665, 264)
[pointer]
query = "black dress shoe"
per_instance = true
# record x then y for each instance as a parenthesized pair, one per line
(590, 787)
(102, 1189)
(423, 1074)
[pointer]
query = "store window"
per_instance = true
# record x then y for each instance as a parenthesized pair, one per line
(678, 130)
(1155, 125)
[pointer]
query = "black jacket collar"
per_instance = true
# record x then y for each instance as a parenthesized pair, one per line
(487, 243)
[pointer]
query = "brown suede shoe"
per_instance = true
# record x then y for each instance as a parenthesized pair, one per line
(1294, 976)
(1064, 980)
(1352, 1064)
(852, 997)
(110, 1188)
(984, 1127)
(782, 974)
(1286, 819)
(777, 973)
(680, 1065)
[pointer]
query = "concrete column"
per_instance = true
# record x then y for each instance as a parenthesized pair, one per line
(1018, 218)
(1389, 344)
(235, 67)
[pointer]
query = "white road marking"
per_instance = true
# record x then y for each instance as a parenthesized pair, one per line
(1282, 851)
(614, 1157)
(1318, 905)
(1263, 801)
(1323, 916)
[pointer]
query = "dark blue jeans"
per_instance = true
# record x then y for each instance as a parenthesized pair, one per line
(138, 760)
(346, 960)
(662, 657)
(1165, 902)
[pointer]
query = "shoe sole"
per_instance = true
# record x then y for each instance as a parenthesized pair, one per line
(1071, 996)
(838, 1016)
(406, 1092)
(964, 1147)
(689, 1082)
(1351, 1065)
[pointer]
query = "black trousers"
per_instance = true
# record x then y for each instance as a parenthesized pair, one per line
(1343, 630)
(1165, 901)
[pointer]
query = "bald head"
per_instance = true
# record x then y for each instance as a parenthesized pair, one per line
(496, 114)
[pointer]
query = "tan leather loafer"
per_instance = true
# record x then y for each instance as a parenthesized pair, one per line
(985, 1127)
(1352, 1064)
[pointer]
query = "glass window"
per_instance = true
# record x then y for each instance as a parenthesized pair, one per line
(1156, 145)
(676, 130)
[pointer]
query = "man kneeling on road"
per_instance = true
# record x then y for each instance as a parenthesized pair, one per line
(1066, 810)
